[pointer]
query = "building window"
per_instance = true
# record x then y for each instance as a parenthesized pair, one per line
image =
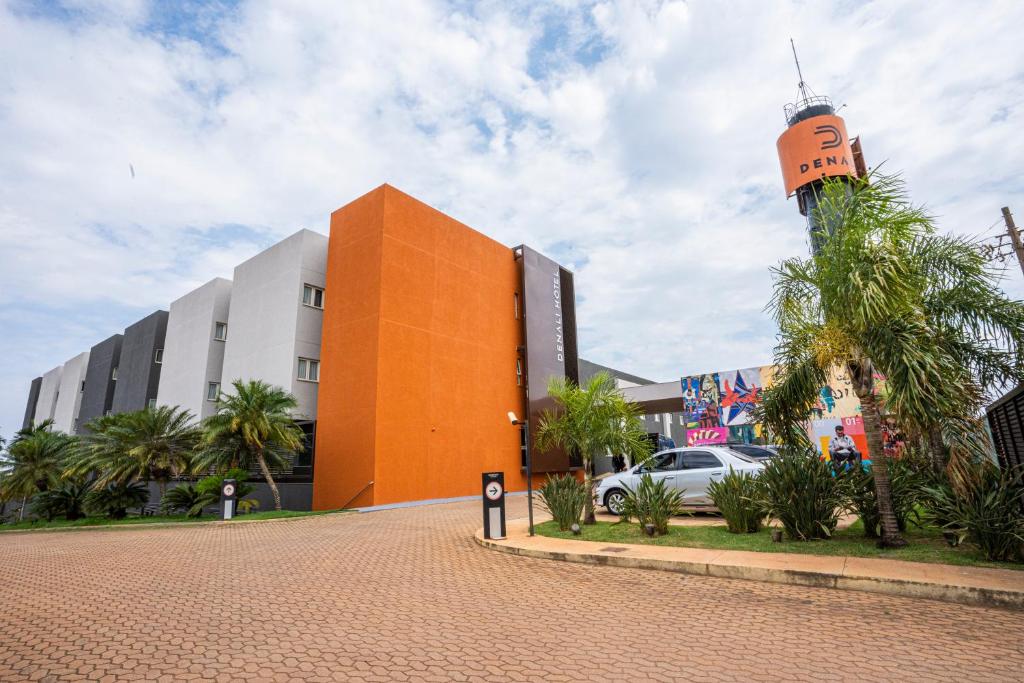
(681, 422)
(213, 391)
(220, 331)
(657, 417)
(113, 374)
(83, 386)
(313, 296)
(309, 370)
(158, 357)
(519, 372)
(516, 299)
(151, 403)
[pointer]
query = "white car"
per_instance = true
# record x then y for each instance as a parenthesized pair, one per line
(690, 470)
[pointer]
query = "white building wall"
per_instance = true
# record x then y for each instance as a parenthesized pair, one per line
(269, 328)
(48, 391)
(69, 398)
(192, 357)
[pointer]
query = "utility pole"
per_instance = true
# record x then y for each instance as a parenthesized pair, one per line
(1011, 229)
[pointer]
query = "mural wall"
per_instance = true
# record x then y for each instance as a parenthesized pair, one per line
(718, 408)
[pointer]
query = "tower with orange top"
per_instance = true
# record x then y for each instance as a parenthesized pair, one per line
(815, 146)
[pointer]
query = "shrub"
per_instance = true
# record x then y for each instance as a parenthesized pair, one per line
(114, 500)
(565, 498)
(66, 501)
(738, 497)
(909, 474)
(862, 499)
(799, 490)
(184, 497)
(652, 503)
(984, 503)
(210, 486)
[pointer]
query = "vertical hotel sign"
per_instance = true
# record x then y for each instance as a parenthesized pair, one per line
(549, 331)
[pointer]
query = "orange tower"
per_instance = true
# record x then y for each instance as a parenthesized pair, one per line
(814, 146)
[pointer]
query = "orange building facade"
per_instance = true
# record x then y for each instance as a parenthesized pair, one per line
(420, 343)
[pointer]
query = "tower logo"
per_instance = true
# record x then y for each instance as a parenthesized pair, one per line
(836, 138)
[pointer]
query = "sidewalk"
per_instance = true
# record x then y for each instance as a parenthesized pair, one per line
(965, 585)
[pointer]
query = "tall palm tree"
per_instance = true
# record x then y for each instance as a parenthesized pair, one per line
(154, 444)
(592, 420)
(34, 462)
(252, 426)
(885, 295)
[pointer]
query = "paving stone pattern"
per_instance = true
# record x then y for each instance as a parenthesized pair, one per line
(407, 595)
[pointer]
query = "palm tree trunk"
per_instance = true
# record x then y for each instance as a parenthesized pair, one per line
(21, 512)
(937, 448)
(588, 482)
(270, 480)
(880, 471)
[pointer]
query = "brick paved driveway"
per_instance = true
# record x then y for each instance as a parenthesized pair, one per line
(407, 595)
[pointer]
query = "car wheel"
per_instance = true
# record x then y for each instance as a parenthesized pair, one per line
(615, 501)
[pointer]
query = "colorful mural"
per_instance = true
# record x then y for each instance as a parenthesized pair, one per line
(718, 406)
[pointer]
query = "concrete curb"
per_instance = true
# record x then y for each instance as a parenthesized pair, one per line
(166, 525)
(860, 574)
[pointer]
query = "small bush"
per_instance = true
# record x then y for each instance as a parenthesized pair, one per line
(862, 499)
(67, 501)
(652, 503)
(799, 490)
(564, 497)
(185, 498)
(908, 476)
(114, 500)
(738, 497)
(984, 502)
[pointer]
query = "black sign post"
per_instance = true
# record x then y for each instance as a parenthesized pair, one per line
(494, 505)
(228, 498)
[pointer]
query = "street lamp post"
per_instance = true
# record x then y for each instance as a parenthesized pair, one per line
(525, 424)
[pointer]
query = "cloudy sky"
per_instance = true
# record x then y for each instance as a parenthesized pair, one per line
(146, 147)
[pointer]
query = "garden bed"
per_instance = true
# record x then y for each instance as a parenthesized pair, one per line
(925, 545)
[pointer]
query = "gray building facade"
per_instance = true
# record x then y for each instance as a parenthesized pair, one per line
(33, 399)
(98, 396)
(273, 333)
(193, 354)
(69, 395)
(48, 390)
(138, 370)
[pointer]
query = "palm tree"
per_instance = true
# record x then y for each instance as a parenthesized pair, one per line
(886, 296)
(154, 444)
(592, 420)
(34, 462)
(252, 426)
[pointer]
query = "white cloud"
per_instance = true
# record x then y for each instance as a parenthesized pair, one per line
(635, 140)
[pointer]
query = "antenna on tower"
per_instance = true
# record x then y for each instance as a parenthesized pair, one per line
(802, 86)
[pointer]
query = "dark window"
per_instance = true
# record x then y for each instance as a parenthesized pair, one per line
(753, 451)
(699, 460)
(663, 462)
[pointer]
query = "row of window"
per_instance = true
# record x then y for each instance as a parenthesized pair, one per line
(309, 371)
(682, 419)
(311, 296)
(150, 403)
(686, 460)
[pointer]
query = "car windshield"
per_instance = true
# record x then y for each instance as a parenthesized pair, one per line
(742, 456)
